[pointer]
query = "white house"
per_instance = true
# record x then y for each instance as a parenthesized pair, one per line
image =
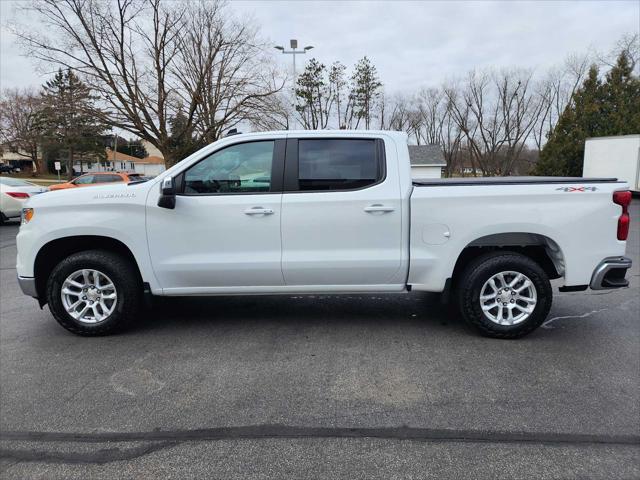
(19, 159)
(120, 162)
(427, 161)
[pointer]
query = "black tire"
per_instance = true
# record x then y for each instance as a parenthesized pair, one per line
(479, 271)
(122, 273)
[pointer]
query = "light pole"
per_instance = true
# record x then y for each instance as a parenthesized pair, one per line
(294, 51)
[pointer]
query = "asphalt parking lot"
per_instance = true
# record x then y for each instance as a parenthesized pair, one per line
(370, 386)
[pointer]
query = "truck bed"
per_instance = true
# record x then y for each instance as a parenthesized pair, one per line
(472, 181)
(574, 218)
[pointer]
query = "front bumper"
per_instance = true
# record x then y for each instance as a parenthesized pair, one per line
(28, 286)
(610, 273)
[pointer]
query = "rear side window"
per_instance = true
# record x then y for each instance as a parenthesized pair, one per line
(337, 164)
(14, 182)
(107, 178)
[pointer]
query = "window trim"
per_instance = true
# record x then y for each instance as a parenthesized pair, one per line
(291, 184)
(277, 170)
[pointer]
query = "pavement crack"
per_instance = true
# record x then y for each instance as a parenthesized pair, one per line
(98, 457)
(547, 323)
(277, 431)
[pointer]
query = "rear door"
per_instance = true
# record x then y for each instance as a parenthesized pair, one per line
(341, 214)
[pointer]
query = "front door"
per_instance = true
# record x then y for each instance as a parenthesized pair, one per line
(224, 232)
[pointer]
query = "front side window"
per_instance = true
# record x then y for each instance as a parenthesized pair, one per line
(241, 168)
(337, 164)
(84, 180)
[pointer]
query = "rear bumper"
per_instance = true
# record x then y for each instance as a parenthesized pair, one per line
(610, 273)
(28, 286)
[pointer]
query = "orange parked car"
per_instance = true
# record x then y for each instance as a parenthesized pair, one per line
(98, 178)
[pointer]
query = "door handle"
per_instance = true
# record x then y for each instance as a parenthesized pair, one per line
(258, 211)
(377, 207)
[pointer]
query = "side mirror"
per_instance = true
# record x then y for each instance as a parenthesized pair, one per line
(167, 194)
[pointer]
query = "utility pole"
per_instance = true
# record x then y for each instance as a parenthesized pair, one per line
(115, 150)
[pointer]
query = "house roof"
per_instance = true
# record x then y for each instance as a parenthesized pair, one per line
(152, 159)
(426, 155)
(122, 157)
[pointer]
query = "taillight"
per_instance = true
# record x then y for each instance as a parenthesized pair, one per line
(18, 194)
(624, 200)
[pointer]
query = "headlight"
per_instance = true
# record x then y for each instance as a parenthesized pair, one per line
(27, 215)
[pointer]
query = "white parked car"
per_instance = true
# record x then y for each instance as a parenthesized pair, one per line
(322, 212)
(13, 193)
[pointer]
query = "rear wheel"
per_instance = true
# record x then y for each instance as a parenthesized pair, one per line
(94, 292)
(504, 295)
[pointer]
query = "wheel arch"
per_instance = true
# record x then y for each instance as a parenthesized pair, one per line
(52, 252)
(538, 247)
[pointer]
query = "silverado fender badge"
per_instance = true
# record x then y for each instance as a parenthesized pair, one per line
(114, 195)
(577, 189)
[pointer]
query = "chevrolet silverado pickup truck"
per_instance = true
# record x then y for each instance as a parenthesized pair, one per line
(301, 212)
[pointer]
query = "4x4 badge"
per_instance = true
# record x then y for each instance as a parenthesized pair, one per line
(577, 189)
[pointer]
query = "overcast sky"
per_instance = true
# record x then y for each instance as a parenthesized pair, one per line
(413, 44)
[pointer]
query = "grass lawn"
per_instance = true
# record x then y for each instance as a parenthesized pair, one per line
(44, 179)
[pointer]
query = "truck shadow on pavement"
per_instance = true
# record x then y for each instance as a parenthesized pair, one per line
(368, 310)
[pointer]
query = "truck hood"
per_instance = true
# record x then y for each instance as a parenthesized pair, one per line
(100, 194)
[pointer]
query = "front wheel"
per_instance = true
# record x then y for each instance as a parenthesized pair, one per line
(504, 295)
(94, 292)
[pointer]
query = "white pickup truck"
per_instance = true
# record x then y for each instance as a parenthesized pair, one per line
(321, 212)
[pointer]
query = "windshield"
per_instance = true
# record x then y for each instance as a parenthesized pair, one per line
(15, 182)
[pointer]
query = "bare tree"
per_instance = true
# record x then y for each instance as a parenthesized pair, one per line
(150, 59)
(276, 113)
(497, 112)
(629, 44)
(19, 131)
(432, 112)
(437, 125)
(400, 113)
(555, 91)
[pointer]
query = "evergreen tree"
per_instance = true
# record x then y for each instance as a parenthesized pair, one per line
(132, 147)
(621, 99)
(597, 109)
(338, 83)
(312, 95)
(69, 119)
(366, 90)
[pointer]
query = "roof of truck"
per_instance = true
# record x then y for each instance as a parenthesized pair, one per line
(326, 133)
